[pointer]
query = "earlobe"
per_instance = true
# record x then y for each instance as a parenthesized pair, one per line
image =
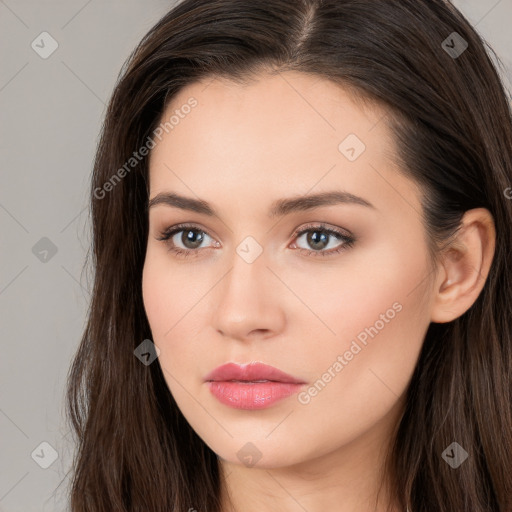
(466, 264)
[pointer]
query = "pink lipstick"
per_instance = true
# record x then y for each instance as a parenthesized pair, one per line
(251, 386)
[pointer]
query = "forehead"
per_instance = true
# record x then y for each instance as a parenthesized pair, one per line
(287, 108)
(284, 133)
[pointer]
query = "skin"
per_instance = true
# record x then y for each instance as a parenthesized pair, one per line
(240, 149)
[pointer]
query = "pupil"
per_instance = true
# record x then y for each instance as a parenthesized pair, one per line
(313, 239)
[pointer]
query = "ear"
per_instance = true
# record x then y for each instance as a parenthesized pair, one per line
(465, 266)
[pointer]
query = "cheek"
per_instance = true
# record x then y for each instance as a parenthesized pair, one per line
(172, 303)
(374, 300)
(377, 309)
(168, 293)
(366, 282)
(156, 296)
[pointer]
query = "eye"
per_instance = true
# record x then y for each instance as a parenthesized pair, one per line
(319, 237)
(191, 237)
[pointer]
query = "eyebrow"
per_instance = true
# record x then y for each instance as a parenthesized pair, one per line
(278, 208)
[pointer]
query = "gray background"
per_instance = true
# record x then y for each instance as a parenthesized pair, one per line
(51, 116)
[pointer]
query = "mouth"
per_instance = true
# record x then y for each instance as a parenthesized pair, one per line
(251, 386)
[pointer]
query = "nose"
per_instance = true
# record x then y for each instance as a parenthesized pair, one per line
(249, 300)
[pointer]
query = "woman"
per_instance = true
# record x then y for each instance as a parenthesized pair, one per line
(302, 223)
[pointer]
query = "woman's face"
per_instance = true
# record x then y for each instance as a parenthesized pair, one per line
(347, 320)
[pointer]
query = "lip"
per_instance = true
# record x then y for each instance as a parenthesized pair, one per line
(236, 385)
(250, 372)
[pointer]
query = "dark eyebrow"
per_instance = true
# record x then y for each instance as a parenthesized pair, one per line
(307, 202)
(278, 208)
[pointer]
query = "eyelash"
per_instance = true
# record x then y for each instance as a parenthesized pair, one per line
(348, 241)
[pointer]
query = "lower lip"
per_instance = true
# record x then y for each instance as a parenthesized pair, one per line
(251, 395)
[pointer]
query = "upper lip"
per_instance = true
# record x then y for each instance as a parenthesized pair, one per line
(250, 372)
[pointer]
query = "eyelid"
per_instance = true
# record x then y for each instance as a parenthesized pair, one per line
(323, 226)
(176, 228)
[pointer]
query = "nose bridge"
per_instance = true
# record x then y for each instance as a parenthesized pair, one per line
(248, 270)
(245, 301)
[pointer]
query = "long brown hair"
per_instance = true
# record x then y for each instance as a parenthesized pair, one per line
(452, 123)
